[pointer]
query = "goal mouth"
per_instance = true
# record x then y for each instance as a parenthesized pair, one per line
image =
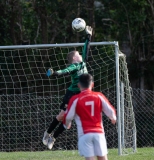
(30, 99)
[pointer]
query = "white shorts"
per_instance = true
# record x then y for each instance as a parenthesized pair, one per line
(92, 144)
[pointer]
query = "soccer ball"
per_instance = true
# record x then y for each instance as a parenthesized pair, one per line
(78, 24)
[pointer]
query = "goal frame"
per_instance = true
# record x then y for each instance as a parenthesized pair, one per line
(120, 106)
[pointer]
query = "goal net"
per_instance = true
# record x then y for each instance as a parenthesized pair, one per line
(29, 100)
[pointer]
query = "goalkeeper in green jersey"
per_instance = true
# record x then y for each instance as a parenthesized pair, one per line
(75, 69)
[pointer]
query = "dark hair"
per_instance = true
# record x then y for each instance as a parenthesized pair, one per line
(85, 80)
(70, 56)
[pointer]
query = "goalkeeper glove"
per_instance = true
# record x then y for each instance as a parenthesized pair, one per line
(88, 30)
(49, 72)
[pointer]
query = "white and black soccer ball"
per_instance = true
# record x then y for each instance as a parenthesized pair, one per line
(78, 24)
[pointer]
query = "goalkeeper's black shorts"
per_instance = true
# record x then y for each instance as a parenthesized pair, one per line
(66, 98)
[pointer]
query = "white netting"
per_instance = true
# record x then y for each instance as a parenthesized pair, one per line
(29, 99)
(127, 119)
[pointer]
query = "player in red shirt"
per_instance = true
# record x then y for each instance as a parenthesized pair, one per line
(86, 108)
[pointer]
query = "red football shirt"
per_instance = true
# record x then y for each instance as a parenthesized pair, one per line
(86, 108)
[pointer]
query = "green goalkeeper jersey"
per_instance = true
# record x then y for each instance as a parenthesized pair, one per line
(76, 69)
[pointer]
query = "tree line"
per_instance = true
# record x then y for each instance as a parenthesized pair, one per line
(131, 23)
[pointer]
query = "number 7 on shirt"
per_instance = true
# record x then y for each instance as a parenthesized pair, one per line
(91, 104)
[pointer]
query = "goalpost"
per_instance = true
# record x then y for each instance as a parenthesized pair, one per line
(29, 100)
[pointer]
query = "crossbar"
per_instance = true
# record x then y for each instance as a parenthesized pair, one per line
(55, 45)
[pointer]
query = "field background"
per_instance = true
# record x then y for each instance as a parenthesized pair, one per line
(141, 154)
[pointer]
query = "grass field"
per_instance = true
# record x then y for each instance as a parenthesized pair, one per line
(142, 154)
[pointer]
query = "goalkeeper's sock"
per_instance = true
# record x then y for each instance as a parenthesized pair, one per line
(53, 125)
(59, 131)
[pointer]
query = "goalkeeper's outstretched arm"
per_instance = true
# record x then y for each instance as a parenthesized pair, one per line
(86, 48)
(65, 71)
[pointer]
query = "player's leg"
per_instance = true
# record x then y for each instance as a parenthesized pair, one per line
(100, 146)
(54, 123)
(59, 117)
(48, 139)
(47, 134)
(52, 139)
(102, 158)
(58, 131)
(61, 128)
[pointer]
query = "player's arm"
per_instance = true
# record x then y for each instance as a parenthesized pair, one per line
(70, 112)
(86, 47)
(65, 71)
(108, 109)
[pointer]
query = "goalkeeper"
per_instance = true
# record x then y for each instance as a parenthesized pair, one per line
(75, 69)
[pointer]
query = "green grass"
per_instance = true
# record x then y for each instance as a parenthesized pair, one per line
(141, 154)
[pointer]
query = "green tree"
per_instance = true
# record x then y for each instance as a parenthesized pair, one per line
(49, 21)
(131, 23)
